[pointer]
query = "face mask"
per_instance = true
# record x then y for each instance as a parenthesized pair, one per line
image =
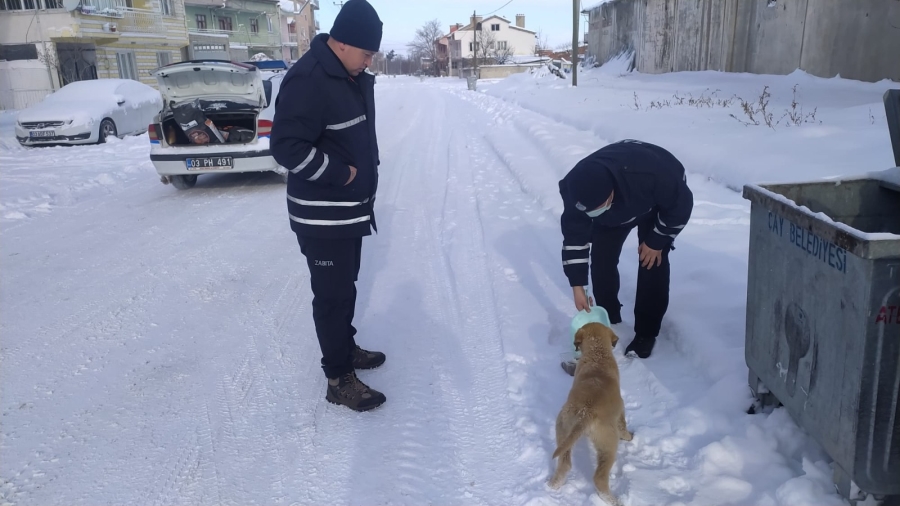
(598, 211)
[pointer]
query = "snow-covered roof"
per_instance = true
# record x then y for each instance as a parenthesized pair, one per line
(468, 27)
(595, 4)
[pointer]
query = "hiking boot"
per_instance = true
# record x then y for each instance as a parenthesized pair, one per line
(356, 395)
(365, 359)
(641, 346)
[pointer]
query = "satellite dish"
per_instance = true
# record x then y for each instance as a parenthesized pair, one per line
(71, 5)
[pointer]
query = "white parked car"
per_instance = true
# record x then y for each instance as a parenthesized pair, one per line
(86, 112)
(231, 96)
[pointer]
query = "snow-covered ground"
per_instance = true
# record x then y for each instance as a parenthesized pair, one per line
(157, 346)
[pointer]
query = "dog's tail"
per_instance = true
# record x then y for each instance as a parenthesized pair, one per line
(569, 441)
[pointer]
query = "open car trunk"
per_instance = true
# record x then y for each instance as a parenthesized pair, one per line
(225, 122)
(210, 102)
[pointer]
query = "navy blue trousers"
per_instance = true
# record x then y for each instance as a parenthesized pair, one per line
(333, 271)
(652, 298)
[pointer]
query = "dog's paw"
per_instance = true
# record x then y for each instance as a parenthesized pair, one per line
(609, 499)
(556, 482)
(627, 436)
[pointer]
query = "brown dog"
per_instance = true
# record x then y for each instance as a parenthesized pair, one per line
(594, 408)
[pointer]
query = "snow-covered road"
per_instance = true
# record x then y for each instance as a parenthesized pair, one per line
(158, 345)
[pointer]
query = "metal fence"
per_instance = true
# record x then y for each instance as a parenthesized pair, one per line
(20, 99)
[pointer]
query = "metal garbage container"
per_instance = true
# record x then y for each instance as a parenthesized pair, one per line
(823, 318)
(472, 81)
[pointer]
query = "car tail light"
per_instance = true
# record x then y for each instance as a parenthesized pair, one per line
(264, 128)
(153, 132)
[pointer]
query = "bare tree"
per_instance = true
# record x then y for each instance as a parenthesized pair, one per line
(540, 43)
(425, 44)
(493, 51)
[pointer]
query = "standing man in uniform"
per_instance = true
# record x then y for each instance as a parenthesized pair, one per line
(624, 185)
(324, 134)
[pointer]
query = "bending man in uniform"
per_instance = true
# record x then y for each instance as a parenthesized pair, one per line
(625, 185)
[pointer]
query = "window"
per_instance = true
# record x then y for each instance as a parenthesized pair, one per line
(292, 28)
(163, 58)
(201, 21)
(166, 7)
(225, 24)
(271, 28)
(53, 4)
(267, 88)
(501, 44)
(495, 28)
(254, 25)
(127, 65)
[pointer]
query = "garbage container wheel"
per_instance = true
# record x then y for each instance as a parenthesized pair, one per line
(764, 401)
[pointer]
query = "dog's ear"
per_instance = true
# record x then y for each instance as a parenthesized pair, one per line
(579, 338)
(613, 337)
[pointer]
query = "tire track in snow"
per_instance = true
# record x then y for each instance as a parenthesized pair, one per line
(468, 304)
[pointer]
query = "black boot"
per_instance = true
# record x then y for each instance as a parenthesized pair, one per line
(365, 359)
(356, 395)
(642, 346)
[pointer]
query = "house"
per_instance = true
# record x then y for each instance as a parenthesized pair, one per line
(237, 28)
(298, 27)
(46, 44)
(493, 40)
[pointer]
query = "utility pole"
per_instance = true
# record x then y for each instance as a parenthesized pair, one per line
(47, 57)
(474, 46)
(575, 9)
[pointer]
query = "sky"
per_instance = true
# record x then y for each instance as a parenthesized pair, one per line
(401, 18)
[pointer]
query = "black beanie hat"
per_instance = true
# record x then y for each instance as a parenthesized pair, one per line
(358, 25)
(590, 184)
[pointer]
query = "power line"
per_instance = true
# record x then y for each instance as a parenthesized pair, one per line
(501, 7)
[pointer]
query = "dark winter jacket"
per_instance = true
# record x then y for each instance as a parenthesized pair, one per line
(645, 179)
(324, 123)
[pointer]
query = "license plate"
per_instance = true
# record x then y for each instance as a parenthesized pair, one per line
(42, 133)
(210, 163)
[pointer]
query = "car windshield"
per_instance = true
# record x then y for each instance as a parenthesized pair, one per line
(82, 91)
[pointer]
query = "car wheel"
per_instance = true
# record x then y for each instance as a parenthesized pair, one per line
(183, 182)
(107, 129)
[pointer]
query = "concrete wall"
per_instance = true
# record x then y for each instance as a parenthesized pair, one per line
(857, 39)
(502, 71)
(861, 43)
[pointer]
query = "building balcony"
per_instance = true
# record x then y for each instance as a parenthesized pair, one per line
(244, 38)
(127, 19)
